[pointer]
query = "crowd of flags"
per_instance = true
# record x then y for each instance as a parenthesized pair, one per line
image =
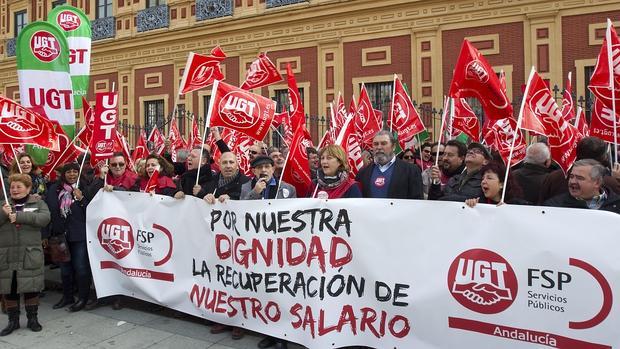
(247, 117)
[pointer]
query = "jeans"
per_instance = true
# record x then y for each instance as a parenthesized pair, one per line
(76, 271)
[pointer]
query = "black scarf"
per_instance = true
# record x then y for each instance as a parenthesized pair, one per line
(329, 182)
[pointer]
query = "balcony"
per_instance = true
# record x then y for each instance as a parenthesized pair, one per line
(11, 45)
(209, 9)
(278, 3)
(103, 28)
(153, 18)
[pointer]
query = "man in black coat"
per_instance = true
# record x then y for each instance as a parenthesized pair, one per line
(389, 177)
(534, 171)
(586, 189)
(187, 181)
(226, 184)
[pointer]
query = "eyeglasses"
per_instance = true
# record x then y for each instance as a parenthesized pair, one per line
(253, 152)
(440, 153)
(408, 157)
(475, 151)
(117, 164)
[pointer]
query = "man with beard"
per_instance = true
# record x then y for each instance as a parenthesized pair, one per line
(226, 184)
(187, 181)
(451, 163)
(465, 185)
(586, 189)
(389, 177)
(313, 161)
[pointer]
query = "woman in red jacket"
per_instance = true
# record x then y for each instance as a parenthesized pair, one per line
(159, 182)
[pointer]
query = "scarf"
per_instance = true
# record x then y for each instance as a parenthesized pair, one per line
(330, 182)
(19, 206)
(65, 199)
(125, 181)
(222, 181)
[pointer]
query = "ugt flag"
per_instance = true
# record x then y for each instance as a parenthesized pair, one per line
(201, 70)
(240, 110)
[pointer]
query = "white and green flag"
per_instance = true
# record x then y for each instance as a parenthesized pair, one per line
(76, 27)
(43, 74)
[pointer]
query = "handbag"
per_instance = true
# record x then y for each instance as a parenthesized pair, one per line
(59, 249)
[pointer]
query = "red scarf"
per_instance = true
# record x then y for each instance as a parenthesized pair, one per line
(337, 192)
(126, 180)
(162, 183)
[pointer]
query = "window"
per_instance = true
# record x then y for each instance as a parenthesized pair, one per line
(58, 3)
(181, 118)
(206, 100)
(589, 97)
(380, 94)
(21, 20)
(104, 8)
(153, 114)
(281, 98)
(153, 3)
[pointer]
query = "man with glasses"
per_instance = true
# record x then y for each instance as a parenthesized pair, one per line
(116, 176)
(451, 163)
(425, 161)
(465, 185)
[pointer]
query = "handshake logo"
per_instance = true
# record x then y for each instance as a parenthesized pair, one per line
(482, 281)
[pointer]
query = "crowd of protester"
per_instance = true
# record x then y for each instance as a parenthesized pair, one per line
(40, 213)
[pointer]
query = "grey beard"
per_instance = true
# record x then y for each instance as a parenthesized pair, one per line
(382, 158)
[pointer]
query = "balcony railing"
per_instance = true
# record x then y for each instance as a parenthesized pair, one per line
(153, 18)
(209, 9)
(103, 28)
(278, 3)
(11, 45)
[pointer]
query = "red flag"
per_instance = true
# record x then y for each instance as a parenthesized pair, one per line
(104, 127)
(326, 140)
(404, 118)
(175, 139)
(240, 110)
(297, 169)
(564, 148)
(142, 150)
(9, 151)
(350, 141)
(341, 112)
(194, 139)
(366, 123)
(262, 72)
(465, 119)
(19, 125)
(540, 113)
(474, 77)
(121, 145)
(158, 140)
(151, 184)
(201, 71)
(295, 104)
(606, 77)
(500, 136)
(352, 107)
(581, 123)
(602, 123)
(68, 152)
(568, 106)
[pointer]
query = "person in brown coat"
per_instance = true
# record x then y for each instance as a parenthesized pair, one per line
(21, 253)
(587, 148)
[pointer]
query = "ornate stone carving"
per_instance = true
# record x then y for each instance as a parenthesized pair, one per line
(208, 9)
(278, 3)
(103, 28)
(11, 45)
(153, 18)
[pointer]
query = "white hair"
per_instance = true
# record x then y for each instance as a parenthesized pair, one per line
(537, 154)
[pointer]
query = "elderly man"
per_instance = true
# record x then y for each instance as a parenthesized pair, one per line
(535, 169)
(278, 159)
(187, 181)
(264, 185)
(389, 177)
(226, 184)
(586, 189)
(465, 185)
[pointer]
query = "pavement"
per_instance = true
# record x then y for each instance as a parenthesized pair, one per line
(137, 325)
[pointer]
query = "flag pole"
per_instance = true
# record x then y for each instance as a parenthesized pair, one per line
(443, 120)
(288, 154)
(449, 129)
(393, 95)
(77, 184)
(6, 198)
(612, 87)
(514, 137)
(16, 159)
(204, 133)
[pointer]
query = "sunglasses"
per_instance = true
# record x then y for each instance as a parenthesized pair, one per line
(117, 164)
(253, 152)
(440, 153)
(407, 157)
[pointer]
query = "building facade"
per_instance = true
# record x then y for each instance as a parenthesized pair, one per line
(141, 46)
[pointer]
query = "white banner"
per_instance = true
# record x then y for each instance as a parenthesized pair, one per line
(380, 273)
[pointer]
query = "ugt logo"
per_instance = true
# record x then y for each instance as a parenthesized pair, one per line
(116, 236)
(239, 109)
(475, 70)
(68, 20)
(482, 281)
(44, 46)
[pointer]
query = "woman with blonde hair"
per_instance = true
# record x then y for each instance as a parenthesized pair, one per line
(334, 180)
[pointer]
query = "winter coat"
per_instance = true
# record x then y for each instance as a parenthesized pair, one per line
(530, 178)
(20, 247)
(612, 204)
(232, 189)
(459, 188)
(406, 181)
(75, 224)
(286, 191)
(188, 179)
(556, 183)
